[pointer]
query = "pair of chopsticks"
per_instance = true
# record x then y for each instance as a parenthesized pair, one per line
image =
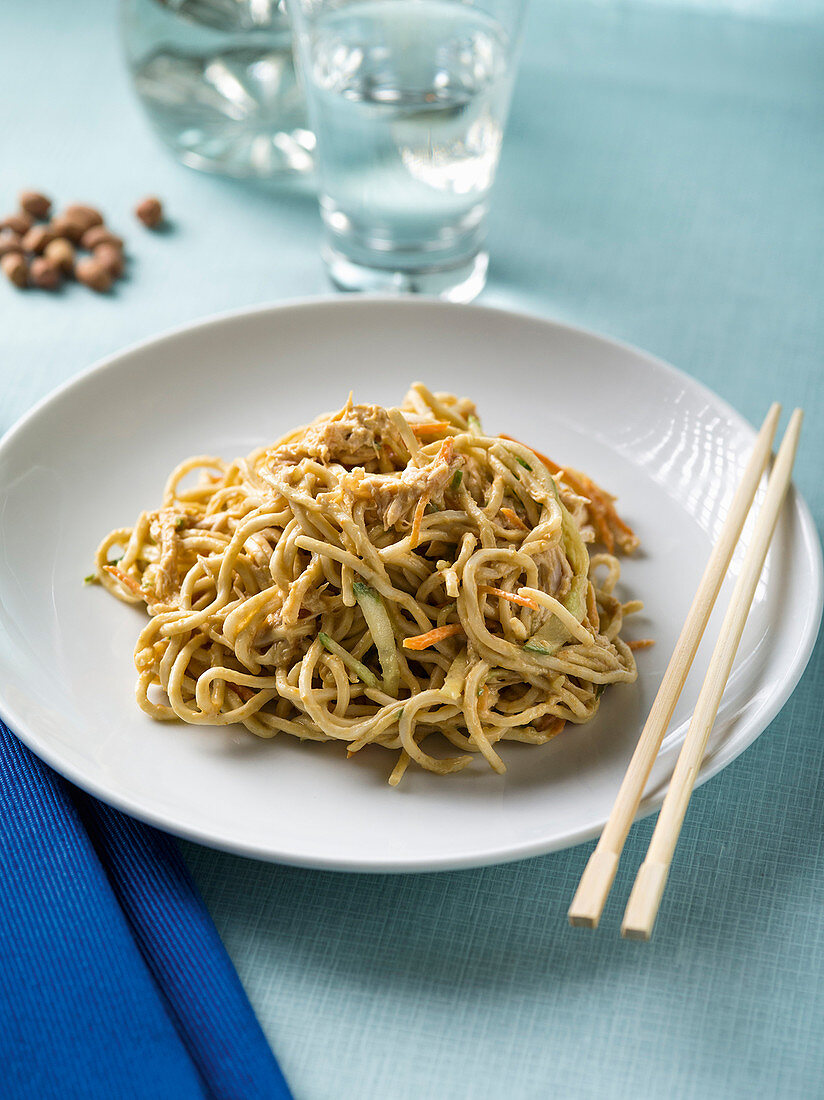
(599, 873)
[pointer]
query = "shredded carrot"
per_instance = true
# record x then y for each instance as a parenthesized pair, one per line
(514, 518)
(513, 597)
(417, 520)
(433, 428)
(125, 580)
(446, 451)
(641, 643)
(432, 637)
(601, 506)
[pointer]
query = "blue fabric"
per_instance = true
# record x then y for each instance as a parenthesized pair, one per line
(114, 980)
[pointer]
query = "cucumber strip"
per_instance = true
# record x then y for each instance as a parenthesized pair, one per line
(453, 685)
(352, 663)
(380, 627)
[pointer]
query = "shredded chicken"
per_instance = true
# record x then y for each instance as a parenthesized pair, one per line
(395, 496)
(351, 438)
(163, 530)
(555, 572)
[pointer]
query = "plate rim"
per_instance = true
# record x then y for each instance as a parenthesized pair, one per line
(529, 849)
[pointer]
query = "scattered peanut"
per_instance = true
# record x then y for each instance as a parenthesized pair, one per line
(93, 274)
(61, 252)
(19, 223)
(43, 254)
(150, 212)
(10, 242)
(111, 257)
(45, 274)
(99, 234)
(35, 204)
(37, 238)
(84, 215)
(15, 268)
(64, 226)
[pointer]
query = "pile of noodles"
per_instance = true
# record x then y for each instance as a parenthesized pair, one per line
(373, 578)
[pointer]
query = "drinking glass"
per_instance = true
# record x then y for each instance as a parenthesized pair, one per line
(217, 80)
(408, 100)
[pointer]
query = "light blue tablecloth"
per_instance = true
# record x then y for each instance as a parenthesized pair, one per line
(663, 181)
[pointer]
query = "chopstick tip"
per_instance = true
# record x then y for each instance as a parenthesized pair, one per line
(629, 933)
(593, 889)
(645, 900)
(582, 920)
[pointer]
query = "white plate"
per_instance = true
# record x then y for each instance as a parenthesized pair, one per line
(96, 452)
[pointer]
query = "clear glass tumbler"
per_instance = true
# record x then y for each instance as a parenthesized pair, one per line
(217, 80)
(408, 100)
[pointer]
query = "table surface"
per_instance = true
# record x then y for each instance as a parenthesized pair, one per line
(663, 182)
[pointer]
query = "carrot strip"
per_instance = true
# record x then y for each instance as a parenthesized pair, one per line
(641, 643)
(432, 637)
(430, 428)
(125, 580)
(417, 520)
(514, 518)
(446, 451)
(513, 597)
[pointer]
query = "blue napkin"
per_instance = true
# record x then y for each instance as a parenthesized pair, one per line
(113, 980)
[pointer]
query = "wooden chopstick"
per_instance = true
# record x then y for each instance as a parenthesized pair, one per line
(599, 873)
(645, 898)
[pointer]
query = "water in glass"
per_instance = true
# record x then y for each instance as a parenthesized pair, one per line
(409, 105)
(217, 79)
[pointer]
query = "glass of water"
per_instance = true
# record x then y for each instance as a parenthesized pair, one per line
(408, 100)
(217, 80)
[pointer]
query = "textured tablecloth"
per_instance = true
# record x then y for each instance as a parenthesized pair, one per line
(662, 181)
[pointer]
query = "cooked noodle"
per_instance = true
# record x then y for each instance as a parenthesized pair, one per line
(373, 578)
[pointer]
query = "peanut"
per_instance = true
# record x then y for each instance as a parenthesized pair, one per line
(19, 223)
(86, 216)
(10, 242)
(150, 212)
(15, 268)
(63, 226)
(37, 238)
(99, 234)
(35, 204)
(111, 257)
(61, 252)
(93, 274)
(45, 274)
